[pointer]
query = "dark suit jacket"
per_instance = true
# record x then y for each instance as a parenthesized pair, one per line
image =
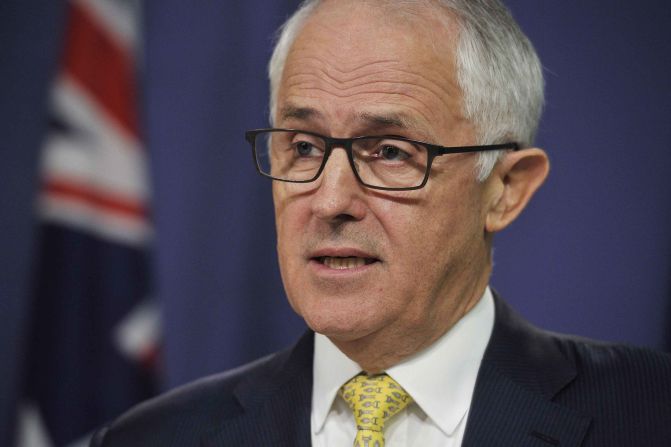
(534, 388)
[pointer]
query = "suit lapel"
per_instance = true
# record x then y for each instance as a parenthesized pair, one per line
(275, 406)
(522, 370)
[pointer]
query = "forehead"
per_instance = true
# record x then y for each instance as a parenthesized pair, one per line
(357, 64)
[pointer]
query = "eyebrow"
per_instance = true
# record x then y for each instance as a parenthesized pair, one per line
(398, 120)
(299, 113)
(394, 120)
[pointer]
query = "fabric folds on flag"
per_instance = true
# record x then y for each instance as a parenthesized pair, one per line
(94, 328)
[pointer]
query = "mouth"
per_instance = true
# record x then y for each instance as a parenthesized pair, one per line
(344, 262)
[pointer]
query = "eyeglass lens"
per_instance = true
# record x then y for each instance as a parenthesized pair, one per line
(379, 161)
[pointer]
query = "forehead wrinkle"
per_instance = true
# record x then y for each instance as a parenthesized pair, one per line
(314, 80)
(326, 62)
(324, 74)
(354, 76)
(366, 65)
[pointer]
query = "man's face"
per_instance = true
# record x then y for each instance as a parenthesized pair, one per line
(358, 262)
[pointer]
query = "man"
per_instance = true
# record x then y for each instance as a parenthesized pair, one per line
(402, 142)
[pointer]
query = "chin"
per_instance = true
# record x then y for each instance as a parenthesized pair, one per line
(341, 316)
(340, 326)
(341, 334)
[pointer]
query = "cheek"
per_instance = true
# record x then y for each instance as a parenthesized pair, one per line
(292, 223)
(288, 215)
(433, 233)
(286, 231)
(422, 226)
(287, 224)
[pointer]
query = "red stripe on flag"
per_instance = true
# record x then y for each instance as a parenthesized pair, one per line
(149, 358)
(102, 67)
(96, 199)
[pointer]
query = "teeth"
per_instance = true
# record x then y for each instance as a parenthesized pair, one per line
(343, 263)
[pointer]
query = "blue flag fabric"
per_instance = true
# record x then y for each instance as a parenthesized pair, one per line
(77, 376)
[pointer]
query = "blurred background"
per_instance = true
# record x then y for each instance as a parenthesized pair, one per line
(138, 241)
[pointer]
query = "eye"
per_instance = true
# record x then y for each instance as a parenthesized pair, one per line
(304, 147)
(391, 152)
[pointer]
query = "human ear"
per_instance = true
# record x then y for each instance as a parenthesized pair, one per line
(511, 185)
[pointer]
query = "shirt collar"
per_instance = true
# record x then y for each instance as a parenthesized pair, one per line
(440, 379)
(331, 369)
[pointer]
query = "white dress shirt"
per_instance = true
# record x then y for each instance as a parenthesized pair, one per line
(440, 379)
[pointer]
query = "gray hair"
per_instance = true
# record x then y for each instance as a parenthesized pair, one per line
(497, 69)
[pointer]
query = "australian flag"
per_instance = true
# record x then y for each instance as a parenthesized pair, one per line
(94, 328)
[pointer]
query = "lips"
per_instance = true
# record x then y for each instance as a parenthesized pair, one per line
(343, 263)
(343, 258)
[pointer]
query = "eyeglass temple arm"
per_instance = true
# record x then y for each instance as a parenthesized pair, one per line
(466, 149)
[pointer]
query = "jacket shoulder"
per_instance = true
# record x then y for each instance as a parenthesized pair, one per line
(613, 369)
(599, 356)
(626, 390)
(515, 341)
(181, 416)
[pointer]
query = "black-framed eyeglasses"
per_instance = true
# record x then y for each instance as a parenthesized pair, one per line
(389, 163)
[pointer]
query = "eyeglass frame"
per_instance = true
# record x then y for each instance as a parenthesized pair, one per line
(433, 151)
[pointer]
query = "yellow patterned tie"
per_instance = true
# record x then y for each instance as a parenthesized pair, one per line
(373, 400)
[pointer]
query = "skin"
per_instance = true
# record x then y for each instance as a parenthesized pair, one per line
(356, 71)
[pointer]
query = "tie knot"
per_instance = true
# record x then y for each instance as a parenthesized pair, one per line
(374, 400)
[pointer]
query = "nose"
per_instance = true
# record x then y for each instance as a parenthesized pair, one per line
(339, 196)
